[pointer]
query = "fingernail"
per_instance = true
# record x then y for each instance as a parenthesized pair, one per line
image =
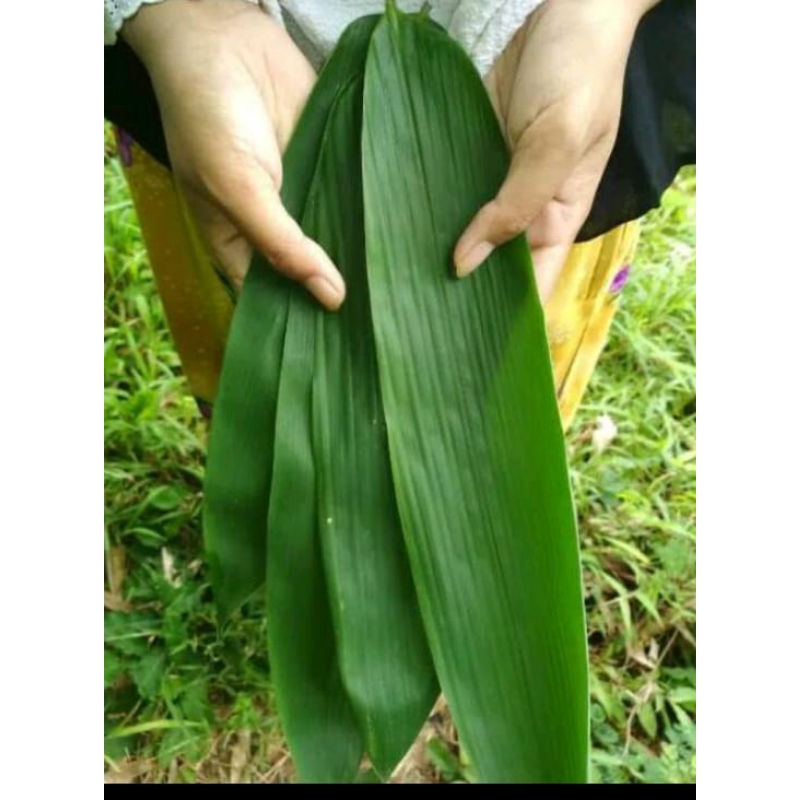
(473, 259)
(324, 289)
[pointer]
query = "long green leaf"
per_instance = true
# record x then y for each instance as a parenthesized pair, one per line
(240, 451)
(318, 720)
(475, 440)
(316, 713)
(383, 653)
(239, 464)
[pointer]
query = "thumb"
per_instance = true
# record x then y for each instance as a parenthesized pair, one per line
(536, 172)
(255, 208)
(258, 212)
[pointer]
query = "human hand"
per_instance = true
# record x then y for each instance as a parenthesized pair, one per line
(231, 85)
(557, 90)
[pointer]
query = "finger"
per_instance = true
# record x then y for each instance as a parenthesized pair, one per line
(232, 251)
(547, 265)
(551, 235)
(255, 207)
(538, 168)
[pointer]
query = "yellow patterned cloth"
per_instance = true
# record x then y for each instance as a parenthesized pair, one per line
(581, 308)
(198, 305)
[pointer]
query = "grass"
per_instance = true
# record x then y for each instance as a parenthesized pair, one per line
(188, 702)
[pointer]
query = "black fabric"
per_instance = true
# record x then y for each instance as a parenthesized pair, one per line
(657, 127)
(130, 102)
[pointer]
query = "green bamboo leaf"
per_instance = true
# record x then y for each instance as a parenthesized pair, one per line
(383, 653)
(239, 462)
(475, 440)
(317, 716)
(240, 451)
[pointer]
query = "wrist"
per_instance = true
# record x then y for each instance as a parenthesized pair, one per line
(151, 24)
(154, 27)
(622, 14)
(638, 8)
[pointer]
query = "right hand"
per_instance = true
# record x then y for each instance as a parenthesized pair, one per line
(231, 85)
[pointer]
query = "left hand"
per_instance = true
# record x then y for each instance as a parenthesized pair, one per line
(557, 90)
(231, 85)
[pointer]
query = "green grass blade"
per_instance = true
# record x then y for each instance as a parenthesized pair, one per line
(477, 452)
(240, 451)
(317, 716)
(383, 653)
(151, 725)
